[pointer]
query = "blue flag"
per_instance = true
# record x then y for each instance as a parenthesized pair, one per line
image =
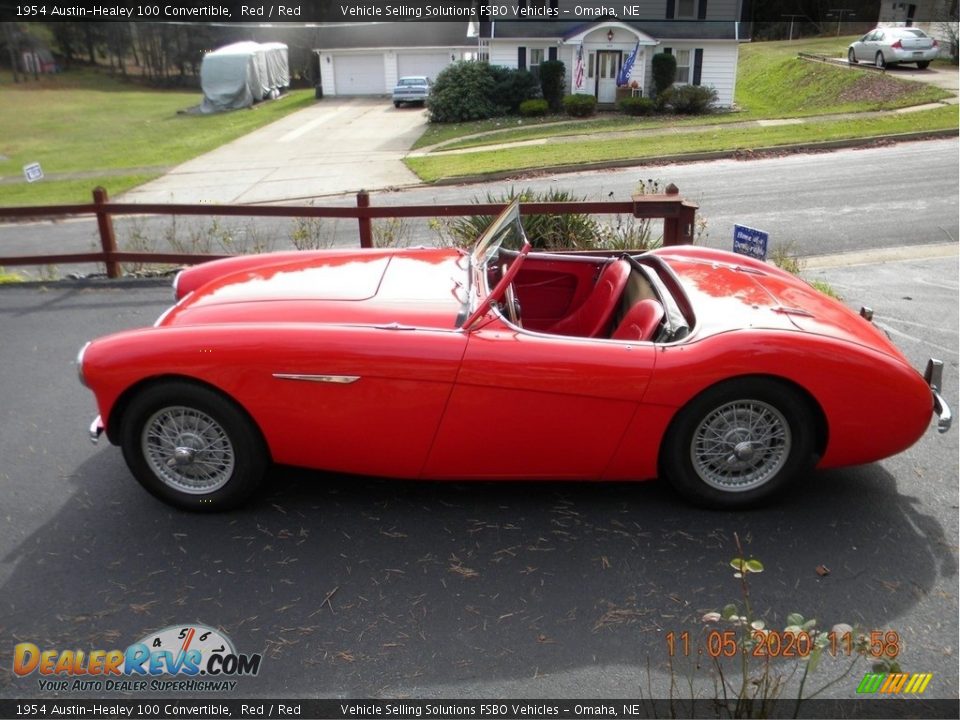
(624, 76)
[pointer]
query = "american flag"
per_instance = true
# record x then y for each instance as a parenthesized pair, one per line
(578, 71)
(624, 77)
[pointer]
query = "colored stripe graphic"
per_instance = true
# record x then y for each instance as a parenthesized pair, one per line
(894, 683)
(871, 682)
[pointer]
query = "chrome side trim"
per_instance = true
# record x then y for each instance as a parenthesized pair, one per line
(944, 416)
(335, 379)
(96, 429)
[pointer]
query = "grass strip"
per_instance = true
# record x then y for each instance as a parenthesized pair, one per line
(435, 167)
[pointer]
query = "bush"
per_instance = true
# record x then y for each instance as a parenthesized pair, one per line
(664, 69)
(462, 91)
(511, 87)
(690, 99)
(552, 73)
(637, 106)
(534, 108)
(580, 105)
(565, 231)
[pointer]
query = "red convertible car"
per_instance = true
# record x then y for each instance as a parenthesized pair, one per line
(726, 376)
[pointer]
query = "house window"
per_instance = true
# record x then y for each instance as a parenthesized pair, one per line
(537, 56)
(686, 9)
(683, 66)
(590, 64)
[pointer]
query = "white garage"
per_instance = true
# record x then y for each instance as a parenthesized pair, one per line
(359, 74)
(422, 63)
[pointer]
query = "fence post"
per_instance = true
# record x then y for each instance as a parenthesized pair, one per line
(678, 230)
(671, 225)
(108, 240)
(366, 227)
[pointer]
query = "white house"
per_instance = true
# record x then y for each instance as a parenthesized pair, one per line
(703, 35)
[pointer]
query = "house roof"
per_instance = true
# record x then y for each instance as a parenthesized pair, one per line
(393, 34)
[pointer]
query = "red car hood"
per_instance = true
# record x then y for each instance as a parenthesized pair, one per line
(421, 287)
(730, 292)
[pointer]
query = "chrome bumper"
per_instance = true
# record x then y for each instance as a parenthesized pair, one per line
(96, 429)
(934, 377)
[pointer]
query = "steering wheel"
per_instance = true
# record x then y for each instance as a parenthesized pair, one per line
(513, 305)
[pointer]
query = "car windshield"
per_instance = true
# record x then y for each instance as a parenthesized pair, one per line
(505, 231)
(412, 81)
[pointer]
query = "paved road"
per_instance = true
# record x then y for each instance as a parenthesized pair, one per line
(463, 590)
(900, 195)
(336, 145)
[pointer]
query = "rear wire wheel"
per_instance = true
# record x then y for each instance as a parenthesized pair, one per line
(739, 443)
(191, 447)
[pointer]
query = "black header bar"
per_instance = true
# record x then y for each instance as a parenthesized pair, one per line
(256, 709)
(364, 11)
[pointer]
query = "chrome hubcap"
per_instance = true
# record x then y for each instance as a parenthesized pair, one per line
(741, 445)
(188, 450)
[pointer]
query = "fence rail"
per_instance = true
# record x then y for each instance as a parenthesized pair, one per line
(678, 215)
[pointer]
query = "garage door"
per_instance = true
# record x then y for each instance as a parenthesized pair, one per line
(429, 64)
(359, 74)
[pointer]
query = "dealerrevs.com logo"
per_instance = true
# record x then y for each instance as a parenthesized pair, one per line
(199, 659)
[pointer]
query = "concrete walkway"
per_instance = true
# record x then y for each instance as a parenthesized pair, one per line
(338, 145)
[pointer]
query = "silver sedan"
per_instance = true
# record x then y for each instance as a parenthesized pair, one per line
(892, 45)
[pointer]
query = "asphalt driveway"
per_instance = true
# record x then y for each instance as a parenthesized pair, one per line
(335, 146)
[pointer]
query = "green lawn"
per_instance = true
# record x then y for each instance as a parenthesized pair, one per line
(772, 82)
(87, 121)
(434, 167)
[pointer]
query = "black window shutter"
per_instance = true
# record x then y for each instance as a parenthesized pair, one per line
(521, 58)
(671, 9)
(702, 10)
(554, 4)
(552, 53)
(697, 65)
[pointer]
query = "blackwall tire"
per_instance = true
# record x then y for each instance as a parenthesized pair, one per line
(739, 443)
(192, 447)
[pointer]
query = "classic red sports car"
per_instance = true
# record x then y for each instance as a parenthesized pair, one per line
(725, 375)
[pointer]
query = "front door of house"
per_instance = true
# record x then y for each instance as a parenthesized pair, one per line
(608, 65)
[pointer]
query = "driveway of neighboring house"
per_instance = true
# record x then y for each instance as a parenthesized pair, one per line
(337, 145)
(945, 77)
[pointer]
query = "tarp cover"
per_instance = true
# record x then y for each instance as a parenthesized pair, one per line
(238, 75)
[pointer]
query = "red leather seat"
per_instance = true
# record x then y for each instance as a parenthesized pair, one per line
(592, 318)
(640, 322)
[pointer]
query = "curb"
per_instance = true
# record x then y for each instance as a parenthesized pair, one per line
(698, 157)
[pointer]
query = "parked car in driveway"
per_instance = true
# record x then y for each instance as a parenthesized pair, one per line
(892, 45)
(726, 376)
(412, 89)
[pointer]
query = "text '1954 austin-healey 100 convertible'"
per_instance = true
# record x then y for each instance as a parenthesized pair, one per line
(722, 374)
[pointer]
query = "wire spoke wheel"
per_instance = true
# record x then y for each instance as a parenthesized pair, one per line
(740, 445)
(741, 442)
(188, 450)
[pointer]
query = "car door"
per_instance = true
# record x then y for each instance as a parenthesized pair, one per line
(532, 405)
(862, 48)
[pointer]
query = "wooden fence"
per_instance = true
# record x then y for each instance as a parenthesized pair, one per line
(678, 215)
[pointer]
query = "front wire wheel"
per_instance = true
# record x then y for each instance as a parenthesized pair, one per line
(739, 443)
(188, 450)
(192, 447)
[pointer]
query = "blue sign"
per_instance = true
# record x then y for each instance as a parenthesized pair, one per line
(749, 241)
(32, 172)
